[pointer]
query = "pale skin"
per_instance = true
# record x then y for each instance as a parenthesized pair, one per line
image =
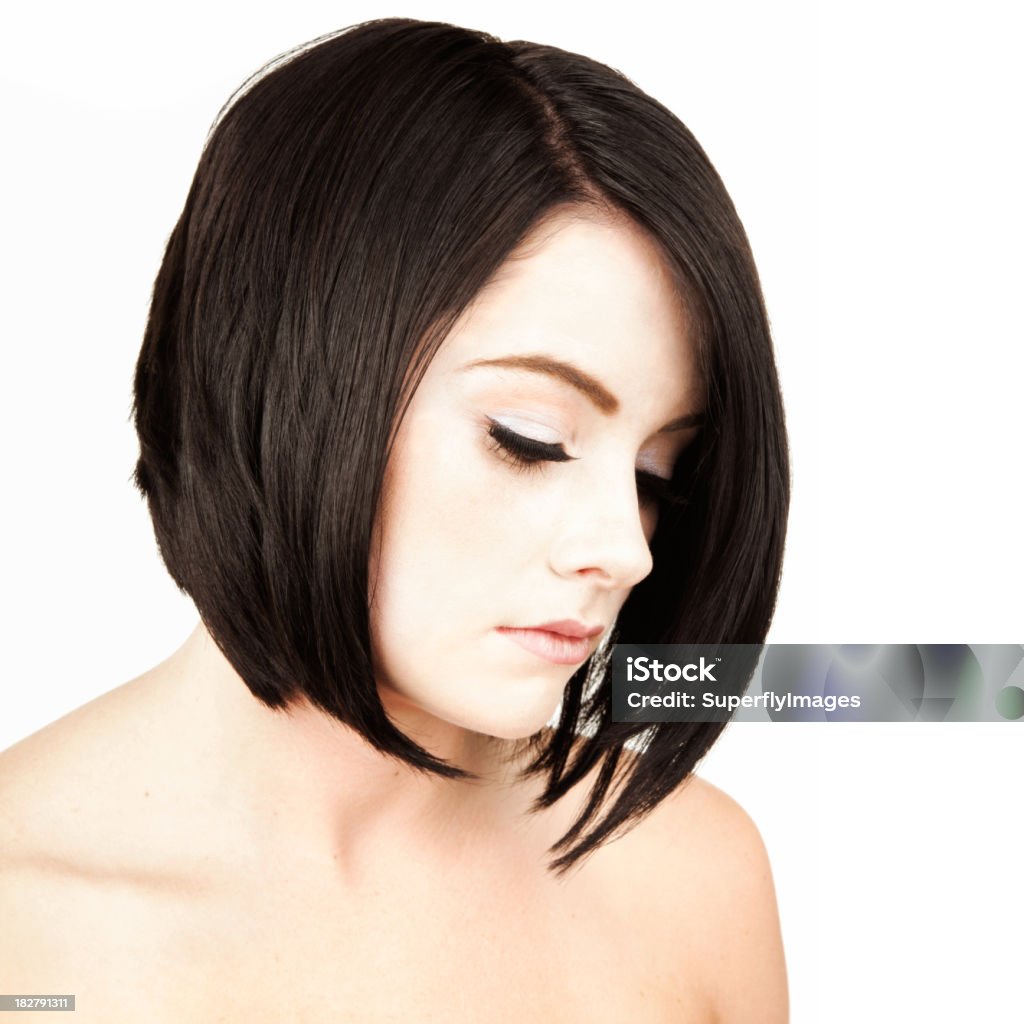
(174, 850)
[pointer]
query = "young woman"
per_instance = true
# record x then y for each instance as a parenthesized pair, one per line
(457, 372)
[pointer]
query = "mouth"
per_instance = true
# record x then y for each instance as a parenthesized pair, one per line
(551, 645)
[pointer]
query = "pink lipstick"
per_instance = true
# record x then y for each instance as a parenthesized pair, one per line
(566, 642)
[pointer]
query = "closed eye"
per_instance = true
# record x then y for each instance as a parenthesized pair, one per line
(526, 454)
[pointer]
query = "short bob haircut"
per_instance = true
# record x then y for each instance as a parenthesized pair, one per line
(351, 200)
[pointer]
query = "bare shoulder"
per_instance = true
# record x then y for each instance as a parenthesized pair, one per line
(83, 889)
(62, 786)
(38, 797)
(714, 830)
(41, 887)
(106, 794)
(733, 893)
(65, 794)
(702, 860)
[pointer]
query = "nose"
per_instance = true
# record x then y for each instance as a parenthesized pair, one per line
(601, 535)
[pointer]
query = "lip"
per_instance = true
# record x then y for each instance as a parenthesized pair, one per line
(557, 646)
(570, 627)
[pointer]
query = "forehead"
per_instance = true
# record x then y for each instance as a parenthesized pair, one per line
(596, 292)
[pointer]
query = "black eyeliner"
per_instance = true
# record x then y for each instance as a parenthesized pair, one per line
(525, 447)
(528, 452)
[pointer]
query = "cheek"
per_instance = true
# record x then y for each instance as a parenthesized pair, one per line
(459, 513)
(440, 538)
(462, 549)
(464, 534)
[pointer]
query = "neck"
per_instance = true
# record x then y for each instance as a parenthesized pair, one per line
(305, 786)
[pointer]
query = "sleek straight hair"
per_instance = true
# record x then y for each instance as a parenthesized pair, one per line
(351, 200)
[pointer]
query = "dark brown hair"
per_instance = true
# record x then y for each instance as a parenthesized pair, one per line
(348, 205)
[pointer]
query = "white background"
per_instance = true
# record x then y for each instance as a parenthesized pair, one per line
(873, 152)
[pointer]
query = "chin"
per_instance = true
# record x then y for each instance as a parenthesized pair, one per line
(511, 710)
(517, 730)
(508, 721)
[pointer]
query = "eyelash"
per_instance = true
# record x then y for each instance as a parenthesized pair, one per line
(528, 455)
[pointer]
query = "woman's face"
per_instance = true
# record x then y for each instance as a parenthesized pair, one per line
(512, 499)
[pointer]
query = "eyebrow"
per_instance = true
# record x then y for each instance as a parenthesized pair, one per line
(582, 381)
